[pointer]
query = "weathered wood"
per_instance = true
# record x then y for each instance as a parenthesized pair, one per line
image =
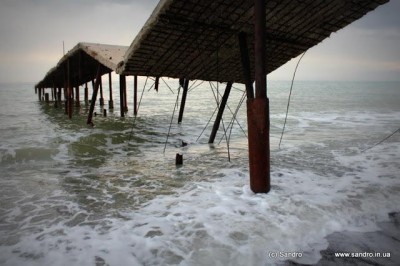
(178, 159)
(125, 98)
(244, 52)
(110, 102)
(183, 100)
(86, 94)
(156, 83)
(122, 86)
(69, 91)
(77, 100)
(94, 95)
(135, 90)
(101, 92)
(220, 112)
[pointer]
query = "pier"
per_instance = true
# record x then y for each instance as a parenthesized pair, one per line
(211, 40)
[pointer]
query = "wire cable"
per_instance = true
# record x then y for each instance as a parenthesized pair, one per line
(383, 140)
(290, 94)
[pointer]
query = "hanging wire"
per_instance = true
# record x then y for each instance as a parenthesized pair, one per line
(231, 123)
(230, 110)
(194, 87)
(290, 94)
(134, 119)
(383, 140)
(168, 86)
(172, 118)
(209, 120)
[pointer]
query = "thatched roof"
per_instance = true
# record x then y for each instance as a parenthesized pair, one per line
(84, 59)
(199, 39)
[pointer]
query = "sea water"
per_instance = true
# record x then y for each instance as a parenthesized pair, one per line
(112, 195)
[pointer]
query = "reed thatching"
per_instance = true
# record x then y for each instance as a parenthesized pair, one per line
(199, 39)
(83, 61)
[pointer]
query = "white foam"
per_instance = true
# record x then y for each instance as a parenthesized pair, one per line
(223, 223)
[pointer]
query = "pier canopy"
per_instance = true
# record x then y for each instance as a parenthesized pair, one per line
(199, 39)
(80, 64)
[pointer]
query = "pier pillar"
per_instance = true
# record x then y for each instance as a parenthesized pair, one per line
(94, 96)
(40, 94)
(258, 110)
(55, 97)
(86, 94)
(156, 83)
(135, 111)
(125, 97)
(46, 97)
(69, 91)
(77, 103)
(101, 93)
(122, 88)
(110, 102)
(183, 100)
(59, 96)
(244, 52)
(220, 112)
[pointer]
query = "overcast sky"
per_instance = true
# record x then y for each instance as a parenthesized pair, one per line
(32, 34)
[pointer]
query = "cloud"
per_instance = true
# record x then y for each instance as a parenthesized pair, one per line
(39, 28)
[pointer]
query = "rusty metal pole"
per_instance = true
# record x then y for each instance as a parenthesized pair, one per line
(220, 112)
(135, 111)
(183, 101)
(244, 51)
(122, 85)
(110, 102)
(258, 110)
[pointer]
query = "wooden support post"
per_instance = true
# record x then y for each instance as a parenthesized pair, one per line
(52, 93)
(125, 97)
(220, 112)
(156, 83)
(122, 87)
(59, 96)
(94, 95)
(55, 97)
(69, 91)
(135, 110)
(40, 94)
(258, 110)
(244, 52)
(86, 94)
(183, 101)
(46, 97)
(110, 102)
(101, 93)
(77, 100)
